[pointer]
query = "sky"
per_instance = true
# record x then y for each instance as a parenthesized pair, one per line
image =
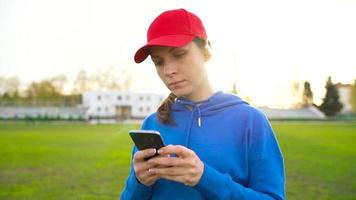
(262, 46)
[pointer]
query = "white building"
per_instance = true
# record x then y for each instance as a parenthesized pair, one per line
(120, 105)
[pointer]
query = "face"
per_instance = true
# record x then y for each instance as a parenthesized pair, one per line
(181, 69)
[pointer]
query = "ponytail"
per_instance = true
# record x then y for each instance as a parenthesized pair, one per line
(164, 110)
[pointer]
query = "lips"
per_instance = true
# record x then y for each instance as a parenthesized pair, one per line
(175, 84)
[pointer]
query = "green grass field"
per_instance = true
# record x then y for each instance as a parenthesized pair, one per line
(80, 161)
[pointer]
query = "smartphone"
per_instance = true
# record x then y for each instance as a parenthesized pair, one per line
(145, 139)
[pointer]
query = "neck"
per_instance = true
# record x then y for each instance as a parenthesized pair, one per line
(202, 93)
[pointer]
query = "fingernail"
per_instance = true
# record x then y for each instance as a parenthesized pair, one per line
(154, 151)
(160, 151)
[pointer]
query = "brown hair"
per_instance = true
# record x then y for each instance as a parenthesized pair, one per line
(164, 110)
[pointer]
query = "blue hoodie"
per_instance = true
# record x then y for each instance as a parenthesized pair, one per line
(242, 158)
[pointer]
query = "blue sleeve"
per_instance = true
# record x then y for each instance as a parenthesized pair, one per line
(265, 166)
(133, 188)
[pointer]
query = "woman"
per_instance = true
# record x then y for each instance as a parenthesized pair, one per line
(219, 146)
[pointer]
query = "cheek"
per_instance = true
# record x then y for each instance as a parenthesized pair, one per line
(195, 70)
(161, 76)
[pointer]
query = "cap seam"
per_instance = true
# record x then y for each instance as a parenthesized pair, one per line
(189, 21)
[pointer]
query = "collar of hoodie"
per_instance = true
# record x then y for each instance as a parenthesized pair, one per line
(216, 103)
(190, 105)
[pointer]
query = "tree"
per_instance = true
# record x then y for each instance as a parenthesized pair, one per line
(81, 83)
(58, 82)
(9, 85)
(331, 105)
(353, 96)
(126, 79)
(107, 80)
(296, 94)
(307, 98)
(43, 93)
(9, 91)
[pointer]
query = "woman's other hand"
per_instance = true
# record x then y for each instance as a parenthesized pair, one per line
(185, 167)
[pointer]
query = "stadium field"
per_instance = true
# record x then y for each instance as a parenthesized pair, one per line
(82, 161)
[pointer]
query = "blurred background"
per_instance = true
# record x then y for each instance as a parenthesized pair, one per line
(67, 64)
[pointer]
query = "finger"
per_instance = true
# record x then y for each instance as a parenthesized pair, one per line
(152, 179)
(139, 162)
(168, 171)
(143, 166)
(141, 155)
(148, 174)
(147, 178)
(179, 150)
(164, 161)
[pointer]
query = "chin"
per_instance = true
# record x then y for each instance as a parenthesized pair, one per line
(181, 92)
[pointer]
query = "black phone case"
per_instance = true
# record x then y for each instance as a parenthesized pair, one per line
(147, 140)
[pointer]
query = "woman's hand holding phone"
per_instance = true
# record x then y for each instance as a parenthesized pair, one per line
(141, 167)
(186, 167)
(147, 142)
(154, 161)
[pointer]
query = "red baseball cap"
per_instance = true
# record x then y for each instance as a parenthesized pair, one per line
(172, 28)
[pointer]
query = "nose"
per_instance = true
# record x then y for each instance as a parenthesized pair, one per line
(170, 68)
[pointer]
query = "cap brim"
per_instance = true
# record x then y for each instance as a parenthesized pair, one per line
(168, 41)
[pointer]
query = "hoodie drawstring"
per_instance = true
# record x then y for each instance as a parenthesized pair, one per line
(199, 116)
(193, 106)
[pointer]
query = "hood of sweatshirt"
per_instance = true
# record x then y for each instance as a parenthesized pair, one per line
(217, 102)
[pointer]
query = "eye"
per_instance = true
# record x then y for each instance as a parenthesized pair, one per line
(158, 63)
(179, 54)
